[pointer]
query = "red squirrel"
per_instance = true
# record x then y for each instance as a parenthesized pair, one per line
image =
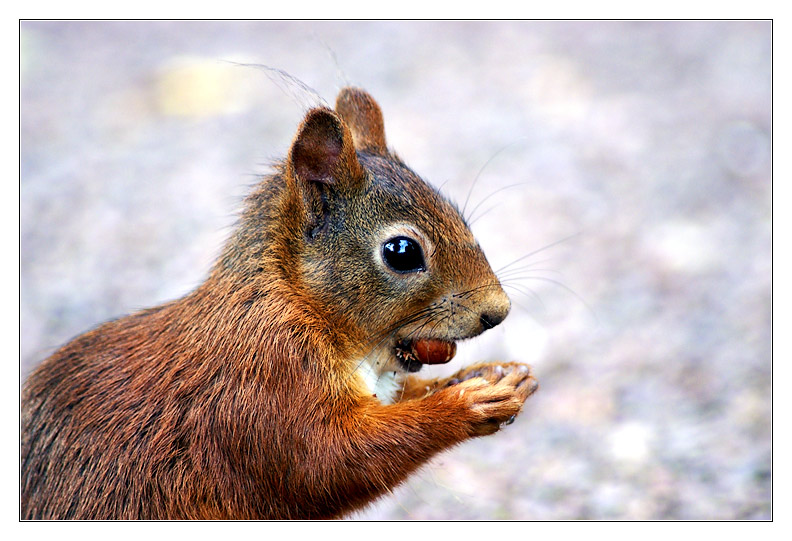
(284, 386)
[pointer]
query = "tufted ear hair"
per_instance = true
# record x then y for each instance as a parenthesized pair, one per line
(363, 116)
(324, 152)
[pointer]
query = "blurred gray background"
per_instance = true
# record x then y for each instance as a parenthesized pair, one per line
(634, 158)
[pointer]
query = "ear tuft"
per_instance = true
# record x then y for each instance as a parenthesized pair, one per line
(363, 116)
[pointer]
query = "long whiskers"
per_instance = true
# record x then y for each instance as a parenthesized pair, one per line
(287, 83)
(470, 292)
(478, 175)
(471, 220)
(539, 250)
(525, 270)
(505, 284)
(525, 290)
(562, 286)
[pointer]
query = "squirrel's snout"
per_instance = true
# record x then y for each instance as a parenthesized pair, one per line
(495, 311)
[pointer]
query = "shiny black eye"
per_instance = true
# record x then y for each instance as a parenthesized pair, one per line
(403, 254)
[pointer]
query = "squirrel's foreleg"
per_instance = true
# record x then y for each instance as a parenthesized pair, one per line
(384, 443)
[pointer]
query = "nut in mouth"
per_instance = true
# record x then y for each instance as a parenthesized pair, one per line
(412, 354)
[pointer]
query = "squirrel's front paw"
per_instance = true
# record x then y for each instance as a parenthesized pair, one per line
(492, 394)
(495, 372)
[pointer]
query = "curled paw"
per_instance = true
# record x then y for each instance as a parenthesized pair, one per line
(492, 394)
(517, 374)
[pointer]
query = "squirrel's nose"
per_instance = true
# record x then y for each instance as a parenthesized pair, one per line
(491, 319)
(496, 310)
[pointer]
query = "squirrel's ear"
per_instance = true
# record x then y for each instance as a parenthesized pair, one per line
(364, 117)
(324, 152)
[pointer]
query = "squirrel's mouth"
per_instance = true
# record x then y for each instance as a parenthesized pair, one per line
(412, 354)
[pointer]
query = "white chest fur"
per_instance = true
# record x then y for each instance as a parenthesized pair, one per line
(384, 384)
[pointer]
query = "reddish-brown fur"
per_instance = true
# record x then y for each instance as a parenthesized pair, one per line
(242, 400)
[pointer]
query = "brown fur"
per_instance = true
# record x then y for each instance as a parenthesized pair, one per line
(243, 400)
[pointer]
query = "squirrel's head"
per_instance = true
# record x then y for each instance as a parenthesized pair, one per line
(379, 251)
